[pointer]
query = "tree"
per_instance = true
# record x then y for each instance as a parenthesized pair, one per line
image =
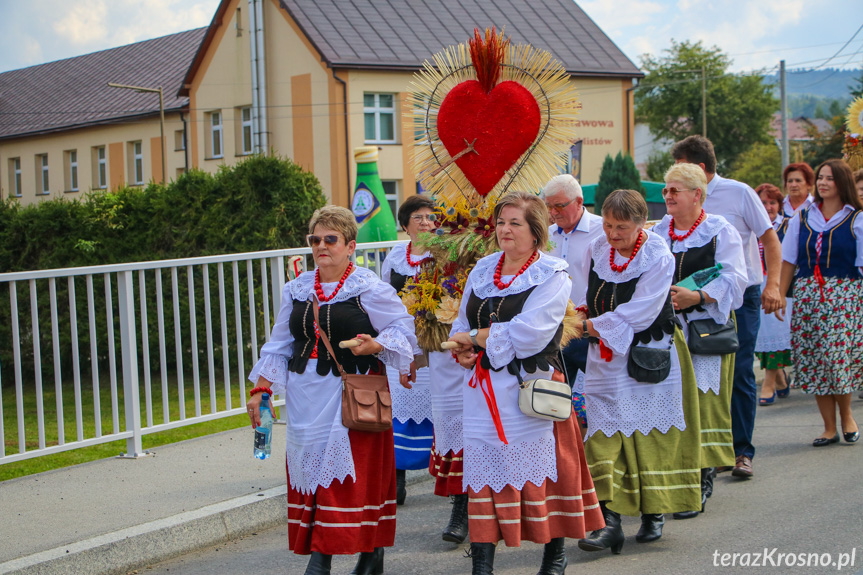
(739, 108)
(762, 164)
(657, 164)
(857, 91)
(619, 173)
(825, 145)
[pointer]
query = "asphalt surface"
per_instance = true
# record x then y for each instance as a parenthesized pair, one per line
(802, 500)
(207, 506)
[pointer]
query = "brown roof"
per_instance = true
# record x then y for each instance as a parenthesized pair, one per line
(72, 93)
(399, 34)
(799, 128)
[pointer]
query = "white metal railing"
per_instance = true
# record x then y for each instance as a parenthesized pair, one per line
(211, 318)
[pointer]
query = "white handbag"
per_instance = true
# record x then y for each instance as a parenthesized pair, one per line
(545, 399)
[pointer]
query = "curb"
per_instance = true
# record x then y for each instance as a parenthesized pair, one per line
(136, 547)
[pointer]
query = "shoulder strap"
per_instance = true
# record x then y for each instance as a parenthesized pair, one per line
(323, 335)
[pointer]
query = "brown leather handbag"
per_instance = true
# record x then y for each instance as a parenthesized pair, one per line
(366, 401)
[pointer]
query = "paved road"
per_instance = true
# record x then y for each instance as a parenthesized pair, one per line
(802, 500)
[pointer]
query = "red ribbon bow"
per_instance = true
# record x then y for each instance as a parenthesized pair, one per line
(482, 377)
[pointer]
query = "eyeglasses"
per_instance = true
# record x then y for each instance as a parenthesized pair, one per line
(330, 239)
(420, 218)
(558, 207)
(673, 191)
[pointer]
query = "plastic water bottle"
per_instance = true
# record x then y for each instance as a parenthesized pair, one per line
(264, 432)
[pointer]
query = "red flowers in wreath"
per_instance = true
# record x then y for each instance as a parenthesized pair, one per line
(458, 225)
(484, 227)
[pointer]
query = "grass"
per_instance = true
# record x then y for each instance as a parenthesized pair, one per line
(114, 448)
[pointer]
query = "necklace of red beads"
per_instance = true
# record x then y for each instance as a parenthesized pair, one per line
(675, 237)
(497, 281)
(419, 262)
(635, 249)
(319, 290)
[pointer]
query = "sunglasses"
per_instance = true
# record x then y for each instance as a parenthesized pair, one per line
(330, 239)
(558, 207)
(673, 191)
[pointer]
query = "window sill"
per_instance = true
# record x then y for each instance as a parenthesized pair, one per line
(206, 159)
(382, 144)
(244, 154)
(43, 193)
(70, 191)
(179, 149)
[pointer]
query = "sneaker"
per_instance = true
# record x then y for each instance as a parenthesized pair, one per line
(742, 467)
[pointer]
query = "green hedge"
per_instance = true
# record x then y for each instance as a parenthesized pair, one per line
(262, 203)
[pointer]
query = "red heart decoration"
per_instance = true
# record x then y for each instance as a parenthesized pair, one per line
(504, 123)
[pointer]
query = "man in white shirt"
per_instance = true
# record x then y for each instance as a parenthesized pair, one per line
(572, 231)
(739, 204)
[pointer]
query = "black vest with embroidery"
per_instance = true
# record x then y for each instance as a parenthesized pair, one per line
(398, 281)
(342, 320)
(603, 296)
(693, 260)
(481, 313)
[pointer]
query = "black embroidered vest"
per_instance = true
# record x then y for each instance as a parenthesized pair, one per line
(341, 321)
(693, 260)
(605, 296)
(481, 313)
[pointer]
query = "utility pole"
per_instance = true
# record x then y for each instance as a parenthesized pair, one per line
(783, 112)
(703, 102)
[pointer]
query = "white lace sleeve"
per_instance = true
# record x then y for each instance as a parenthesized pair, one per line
(789, 242)
(276, 352)
(461, 324)
(728, 288)
(617, 328)
(394, 326)
(273, 368)
(530, 331)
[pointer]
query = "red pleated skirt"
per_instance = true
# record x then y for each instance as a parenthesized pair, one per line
(351, 516)
(567, 507)
(448, 471)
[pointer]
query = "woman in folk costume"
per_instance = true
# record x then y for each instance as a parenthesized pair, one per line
(643, 453)
(824, 243)
(526, 477)
(341, 482)
(773, 345)
(429, 399)
(699, 241)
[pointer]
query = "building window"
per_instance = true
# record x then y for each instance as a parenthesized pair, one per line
(246, 130)
(42, 174)
(100, 168)
(215, 133)
(15, 177)
(136, 163)
(380, 117)
(179, 140)
(71, 165)
(391, 193)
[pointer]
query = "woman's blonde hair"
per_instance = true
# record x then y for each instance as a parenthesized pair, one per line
(690, 175)
(335, 218)
(626, 206)
(535, 214)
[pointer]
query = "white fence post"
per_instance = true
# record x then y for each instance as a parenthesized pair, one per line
(129, 347)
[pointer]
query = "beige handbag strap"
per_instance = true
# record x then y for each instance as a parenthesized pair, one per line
(323, 336)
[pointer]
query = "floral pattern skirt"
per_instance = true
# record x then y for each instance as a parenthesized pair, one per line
(827, 336)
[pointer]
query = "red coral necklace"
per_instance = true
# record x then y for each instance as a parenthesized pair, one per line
(419, 262)
(618, 268)
(675, 237)
(319, 290)
(497, 281)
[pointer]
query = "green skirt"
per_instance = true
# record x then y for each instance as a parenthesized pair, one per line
(653, 473)
(774, 359)
(717, 443)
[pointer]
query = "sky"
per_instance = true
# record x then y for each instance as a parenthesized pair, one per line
(756, 34)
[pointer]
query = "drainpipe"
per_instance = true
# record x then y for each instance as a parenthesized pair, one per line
(262, 75)
(185, 143)
(347, 142)
(253, 51)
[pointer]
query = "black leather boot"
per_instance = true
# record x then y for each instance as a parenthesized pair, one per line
(651, 527)
(401, 490)
(319, 564)
(553, 558)
(456, 531)
(610, 536)
(707, 475)
(482, 555)
(370, 563)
